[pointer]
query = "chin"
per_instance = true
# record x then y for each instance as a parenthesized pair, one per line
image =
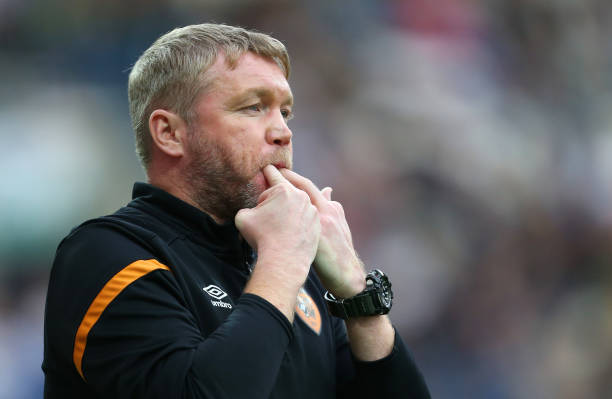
(252, 191)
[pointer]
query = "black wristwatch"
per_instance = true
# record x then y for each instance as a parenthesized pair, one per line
(375, 299)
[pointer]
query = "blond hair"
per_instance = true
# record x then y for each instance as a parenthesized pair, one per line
(172, 72)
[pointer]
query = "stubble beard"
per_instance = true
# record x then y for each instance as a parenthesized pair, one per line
(222, 183)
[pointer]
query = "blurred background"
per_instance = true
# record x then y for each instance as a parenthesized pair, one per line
(470, 142)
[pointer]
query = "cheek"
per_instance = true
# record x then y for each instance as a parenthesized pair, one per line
(246, 162)
(241, 145)
(249, 149)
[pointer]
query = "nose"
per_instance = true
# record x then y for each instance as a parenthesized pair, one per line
(278, 132)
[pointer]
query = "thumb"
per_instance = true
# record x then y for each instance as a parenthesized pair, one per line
(327, 191)
(241, 218)
(244, 226)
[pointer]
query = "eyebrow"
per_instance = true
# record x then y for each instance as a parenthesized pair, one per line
(260, 92)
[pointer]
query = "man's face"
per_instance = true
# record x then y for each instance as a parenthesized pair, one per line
(240, 127)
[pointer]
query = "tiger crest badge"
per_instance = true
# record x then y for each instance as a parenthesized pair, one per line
(307, 310)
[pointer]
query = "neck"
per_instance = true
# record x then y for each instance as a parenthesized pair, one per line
(174, 184)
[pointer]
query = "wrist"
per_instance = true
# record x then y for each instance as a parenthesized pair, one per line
(371, 337)
(280, 293)
(346, 280)
(351, 288)
(375, 299)
(277, 278)
(294, 264)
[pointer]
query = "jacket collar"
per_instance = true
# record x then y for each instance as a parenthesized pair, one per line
(194, 223)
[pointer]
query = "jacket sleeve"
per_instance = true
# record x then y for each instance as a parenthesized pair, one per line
(141, 341)
(394, 376)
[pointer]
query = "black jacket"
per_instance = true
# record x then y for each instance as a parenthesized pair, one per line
(148, 303)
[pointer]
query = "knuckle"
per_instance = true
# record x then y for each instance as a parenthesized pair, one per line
(303, 196)
(287, 187)
(338, 206)
(326, 220)
(280, 190)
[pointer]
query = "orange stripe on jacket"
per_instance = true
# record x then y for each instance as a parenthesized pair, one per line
(111, 289)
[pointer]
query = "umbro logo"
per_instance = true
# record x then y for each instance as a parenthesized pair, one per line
(218, 294)
(215, 291)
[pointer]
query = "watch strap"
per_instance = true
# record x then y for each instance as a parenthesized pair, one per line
(362, 304)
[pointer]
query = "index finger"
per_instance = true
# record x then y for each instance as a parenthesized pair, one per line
(273, 176)
(306, 185)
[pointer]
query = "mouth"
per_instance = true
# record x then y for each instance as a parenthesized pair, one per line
(280, 165)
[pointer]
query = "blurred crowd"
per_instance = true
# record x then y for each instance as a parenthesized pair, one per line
(470, 143)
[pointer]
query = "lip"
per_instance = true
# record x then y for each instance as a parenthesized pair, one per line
(280, 165)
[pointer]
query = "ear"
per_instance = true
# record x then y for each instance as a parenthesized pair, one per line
(168, 132)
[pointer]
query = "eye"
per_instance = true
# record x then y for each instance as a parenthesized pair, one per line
(253, 108)
(287, 113)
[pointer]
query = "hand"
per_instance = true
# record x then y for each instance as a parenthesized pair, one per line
(336, 261)
(283, 228)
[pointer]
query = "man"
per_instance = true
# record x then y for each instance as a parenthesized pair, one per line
(202, 286)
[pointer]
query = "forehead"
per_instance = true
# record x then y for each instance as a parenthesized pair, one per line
(251, 71)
